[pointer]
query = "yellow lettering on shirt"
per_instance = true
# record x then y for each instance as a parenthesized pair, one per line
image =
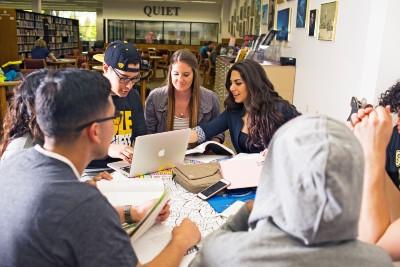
(123, 128)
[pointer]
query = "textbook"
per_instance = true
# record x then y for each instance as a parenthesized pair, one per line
(243, 171)
(213, 146)
(150, 218)
(121, 191)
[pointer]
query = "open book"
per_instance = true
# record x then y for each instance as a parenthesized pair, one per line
(121, 191)
(213, 146)
(150, 219)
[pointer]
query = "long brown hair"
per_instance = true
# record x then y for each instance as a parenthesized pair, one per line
(20, 118)
(185, 56)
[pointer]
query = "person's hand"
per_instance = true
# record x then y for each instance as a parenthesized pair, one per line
(102, 175)
(121, 151)
(164, 213)
(357, 117)
(249, 205)
(186, 235)
(139, 212)
(193, 138)
(264, 152)
(373, 130)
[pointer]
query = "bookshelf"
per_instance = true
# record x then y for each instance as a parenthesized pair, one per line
(60, 34)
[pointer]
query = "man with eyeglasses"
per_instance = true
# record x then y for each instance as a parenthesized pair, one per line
(48, 217)
(121, 66)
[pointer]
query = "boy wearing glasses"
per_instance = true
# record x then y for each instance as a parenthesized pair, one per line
(121, 66)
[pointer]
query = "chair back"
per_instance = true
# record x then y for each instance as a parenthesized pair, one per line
(30, 63)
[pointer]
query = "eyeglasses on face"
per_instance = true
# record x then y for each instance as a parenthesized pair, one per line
(117, 115)
(125, 79)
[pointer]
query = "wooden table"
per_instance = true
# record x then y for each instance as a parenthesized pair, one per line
(62, 62)
(3, 100)
(98, 68)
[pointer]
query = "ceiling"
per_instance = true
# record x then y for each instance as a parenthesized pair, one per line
(82, 5)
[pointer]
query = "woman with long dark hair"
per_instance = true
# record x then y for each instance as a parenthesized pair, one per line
(182, 103)
(20, 127)
(253, 110)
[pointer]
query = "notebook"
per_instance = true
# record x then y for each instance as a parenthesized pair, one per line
(243, 171)
(155, 152)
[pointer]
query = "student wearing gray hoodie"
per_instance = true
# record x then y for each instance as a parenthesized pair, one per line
(306, 208)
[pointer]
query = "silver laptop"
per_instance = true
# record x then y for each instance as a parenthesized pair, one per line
(155, 152)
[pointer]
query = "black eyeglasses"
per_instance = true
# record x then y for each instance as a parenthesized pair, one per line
(117, 115)
(127, 80)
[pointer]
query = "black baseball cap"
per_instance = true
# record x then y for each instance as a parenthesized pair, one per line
(119, 54)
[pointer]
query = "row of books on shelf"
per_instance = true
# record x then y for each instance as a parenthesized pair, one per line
(39, 18)
(23, 40)
(27, 47)
(30, 32)
(57, 53)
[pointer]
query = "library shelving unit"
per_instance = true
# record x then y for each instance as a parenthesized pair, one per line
(60, 34)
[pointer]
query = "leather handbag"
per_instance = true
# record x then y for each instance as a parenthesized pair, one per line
(196, 177)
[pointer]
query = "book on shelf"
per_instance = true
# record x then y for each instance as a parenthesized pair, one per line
(213, 146)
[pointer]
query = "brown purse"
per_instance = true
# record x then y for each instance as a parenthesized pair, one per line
(196, 177)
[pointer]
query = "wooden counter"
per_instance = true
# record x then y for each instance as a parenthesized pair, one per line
(282, 77)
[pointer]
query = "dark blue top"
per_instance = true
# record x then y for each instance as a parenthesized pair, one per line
(393, 157)
(39, 52)
(232, 120)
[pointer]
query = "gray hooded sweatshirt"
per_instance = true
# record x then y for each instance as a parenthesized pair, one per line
(307, 205)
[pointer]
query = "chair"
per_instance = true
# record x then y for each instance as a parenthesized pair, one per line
(30, 63)
(152, 51)
(207, 72)
(163, 64)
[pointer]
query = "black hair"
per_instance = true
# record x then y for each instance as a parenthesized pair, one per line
(69, 98)
(261, 104)
(391, 97)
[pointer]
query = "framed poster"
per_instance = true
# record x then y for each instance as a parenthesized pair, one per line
(301, 13)
(283, 24)
(312, 22)
(264, 17)
(271, 14)
(327, 21)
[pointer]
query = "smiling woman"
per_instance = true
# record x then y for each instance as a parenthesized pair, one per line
(182, 103)
(254, 110)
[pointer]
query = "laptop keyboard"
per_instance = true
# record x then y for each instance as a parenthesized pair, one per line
(126, 169)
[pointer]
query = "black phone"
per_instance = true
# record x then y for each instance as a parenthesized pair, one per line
(213, 189)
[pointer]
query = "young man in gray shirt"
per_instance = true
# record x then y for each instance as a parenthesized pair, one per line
(48, 217)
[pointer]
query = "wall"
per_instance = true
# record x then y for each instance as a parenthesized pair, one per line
(361, 61)
(194, 12)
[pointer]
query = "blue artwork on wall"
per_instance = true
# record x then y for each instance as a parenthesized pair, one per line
(301, 13)
(283, 24)
(264, 18)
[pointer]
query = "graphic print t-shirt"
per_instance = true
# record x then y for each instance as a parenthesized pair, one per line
(126, 128)
(393, 157)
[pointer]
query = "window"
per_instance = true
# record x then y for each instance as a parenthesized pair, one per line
(87, 22)
(168, 32)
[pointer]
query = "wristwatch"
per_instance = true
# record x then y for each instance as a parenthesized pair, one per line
(127, 214)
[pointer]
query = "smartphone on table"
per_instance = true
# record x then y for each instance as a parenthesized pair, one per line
(213, 189)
